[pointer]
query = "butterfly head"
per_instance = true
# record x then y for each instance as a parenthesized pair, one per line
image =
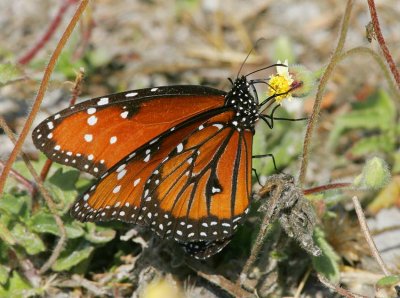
(245, 106)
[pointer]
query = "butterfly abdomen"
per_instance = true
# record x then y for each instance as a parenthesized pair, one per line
(244, 104)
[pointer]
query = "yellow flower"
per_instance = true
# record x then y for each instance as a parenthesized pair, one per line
(281, 83)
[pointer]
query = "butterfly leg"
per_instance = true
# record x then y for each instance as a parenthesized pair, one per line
(269, 119)
(257, 177)
(267, 155)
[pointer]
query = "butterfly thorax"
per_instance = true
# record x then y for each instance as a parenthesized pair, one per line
(244, 104)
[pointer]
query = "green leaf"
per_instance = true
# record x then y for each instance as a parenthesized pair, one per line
(16, 287)
(28, 240)
(373, 144)
(374, 175)
(62, 187)
(4, 273)
(327, 263)
(6, 235)
(65, 180)
(13, 205)
(44, 222)
(72, 256)
(97, 234)
(378, 112)
(388, 281)
(9, 72)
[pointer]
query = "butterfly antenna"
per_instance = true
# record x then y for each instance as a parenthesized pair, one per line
(241, 66)
(264, 68)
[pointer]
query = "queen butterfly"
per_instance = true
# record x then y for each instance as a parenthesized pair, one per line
(177, 159)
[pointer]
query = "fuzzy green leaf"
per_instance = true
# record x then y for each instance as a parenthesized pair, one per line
(375, 174)
(4, 273)
(373, 144)
(9, 72)
(72, 256)
(327, 263)
(97, 234)
(12, 204)
(44, 222)
(388, 281)
(6, 235)
(16, 287)
(378, 112)
(28, 240)
(65, 180)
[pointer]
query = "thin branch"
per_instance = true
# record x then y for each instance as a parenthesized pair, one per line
(265, 225)
(382, 43)
(18, 177)
(225, 284)
(41, 92)
(320, 91)
(302, 283)
(326, 187)
(25, 59)
(338, 289)
(76, 90)
(368, 237)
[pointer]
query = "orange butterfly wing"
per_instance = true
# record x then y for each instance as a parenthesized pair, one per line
(94, 135)
(118, 193)
(201, 191)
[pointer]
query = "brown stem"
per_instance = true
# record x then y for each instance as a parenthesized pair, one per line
(382, 43)
(227, 285)
(338, 289)
(76, 90)
(41, 92)
(320, 91)
(302, 283)
(265, 225)
(19, 178)
(368, 237)
(25, 59)
(326, 187)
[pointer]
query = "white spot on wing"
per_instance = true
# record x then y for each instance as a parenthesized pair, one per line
(131, 94)
(136, 182)
(121, 174)
(116, 189)
(124, 114)
(179, 148)
(219, 126)
(91, 111)
(88, 137)
(92, 120)
(113, 139)
(103, 101)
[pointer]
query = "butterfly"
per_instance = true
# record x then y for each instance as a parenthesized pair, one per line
(177, 159)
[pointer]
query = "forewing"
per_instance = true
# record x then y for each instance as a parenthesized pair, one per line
(119, 191)
(94, 135)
